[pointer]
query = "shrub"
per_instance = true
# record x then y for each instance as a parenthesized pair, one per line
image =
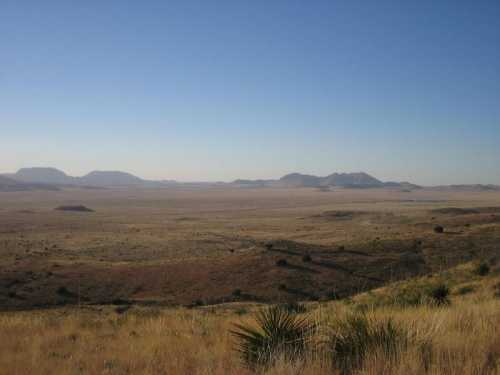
(306, 258)
(466, 289)
(236, 293)
(438, 229)
(281, 263)
(332, 295)
(482, 269)
(294, 307)
(356, 336)
(279, 333)
(417, 293)
(438, 294)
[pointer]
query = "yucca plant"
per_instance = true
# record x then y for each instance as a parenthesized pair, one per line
(438, 295)
(353, 338)
(277, 333)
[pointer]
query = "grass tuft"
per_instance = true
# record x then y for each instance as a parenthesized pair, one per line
(278, 333)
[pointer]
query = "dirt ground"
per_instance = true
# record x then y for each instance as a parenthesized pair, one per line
(201, 246)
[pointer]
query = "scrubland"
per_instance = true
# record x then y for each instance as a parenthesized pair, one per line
(158, 282)
(461, 336)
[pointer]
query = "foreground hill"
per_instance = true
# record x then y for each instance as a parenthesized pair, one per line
(367, 334)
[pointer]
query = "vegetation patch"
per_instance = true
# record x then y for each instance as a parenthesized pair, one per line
(278, 333)
(354, 337)
(78, 208)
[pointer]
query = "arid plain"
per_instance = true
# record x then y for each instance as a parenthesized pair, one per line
(199, 246)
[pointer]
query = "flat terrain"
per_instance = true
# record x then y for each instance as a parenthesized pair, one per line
(212, 245)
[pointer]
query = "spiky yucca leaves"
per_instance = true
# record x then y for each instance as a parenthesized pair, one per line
(278, 333)
(353, 338)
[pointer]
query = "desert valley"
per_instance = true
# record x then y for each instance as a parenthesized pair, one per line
(119, 251)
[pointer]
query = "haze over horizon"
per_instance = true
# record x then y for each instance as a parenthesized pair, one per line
(193, 91)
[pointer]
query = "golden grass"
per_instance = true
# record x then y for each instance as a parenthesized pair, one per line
(463, 338)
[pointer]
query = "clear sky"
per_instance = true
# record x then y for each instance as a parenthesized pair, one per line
(218, 90)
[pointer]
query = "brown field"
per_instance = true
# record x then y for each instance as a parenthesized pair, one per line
(197, 246)
(110, 291)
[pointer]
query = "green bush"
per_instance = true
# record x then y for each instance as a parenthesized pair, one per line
(438, 295)
(279, 333)
(355, 337)
(482, 269)
(466, 289)
(419, 293)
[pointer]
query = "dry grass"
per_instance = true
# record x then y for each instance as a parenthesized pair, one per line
(463, 338)
(178, 246)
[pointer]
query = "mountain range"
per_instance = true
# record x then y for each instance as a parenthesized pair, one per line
(54, 179)
(343, 180)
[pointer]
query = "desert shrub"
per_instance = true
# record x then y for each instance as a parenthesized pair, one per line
(197, 303)
(482, 269)
(306, 258)
(438, 229)
(466, 289)
(418, 293)
(409, 294)
(278, 333)
(355, 337)
(64, 292)
(332, 295)
(281, 263)
(438, 294)
(294, 307)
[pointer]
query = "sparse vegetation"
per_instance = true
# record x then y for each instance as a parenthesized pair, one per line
(278, 334)
(331, 338)
(78, 208)
(482, 269)
(439, 229)
(355, 336)
(282, 262)
(306, 258)
(438, 294)
(294, 307)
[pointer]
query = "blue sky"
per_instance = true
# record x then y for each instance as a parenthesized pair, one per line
(218, 90)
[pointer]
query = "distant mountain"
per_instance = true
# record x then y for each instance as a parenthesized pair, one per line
(111, 178)
(9, 184)
(351, 180)
(300, 180)
(44, 176)
(343, 180)
(55, 177)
